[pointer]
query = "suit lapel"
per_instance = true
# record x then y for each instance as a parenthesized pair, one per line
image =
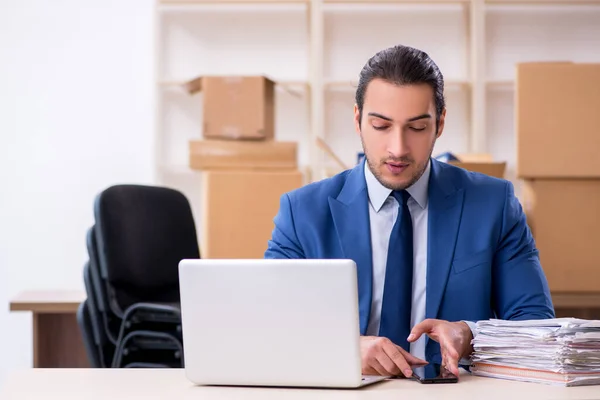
(350, 213)
(444, 214)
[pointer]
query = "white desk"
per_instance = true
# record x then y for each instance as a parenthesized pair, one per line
(126, 384)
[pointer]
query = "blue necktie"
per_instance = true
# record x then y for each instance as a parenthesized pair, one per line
(397, 289)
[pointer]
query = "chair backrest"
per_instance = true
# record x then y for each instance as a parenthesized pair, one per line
(97, 318)
(97, 289)
(142, 233)
(86, 327)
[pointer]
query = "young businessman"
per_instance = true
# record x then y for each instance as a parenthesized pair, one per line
(437, 248)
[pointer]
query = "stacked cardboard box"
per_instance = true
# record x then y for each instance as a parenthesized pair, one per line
(245, 170)
(491, 168)
(558, 139)
(482, 163)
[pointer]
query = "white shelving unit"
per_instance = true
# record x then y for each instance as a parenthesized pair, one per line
(315, 49)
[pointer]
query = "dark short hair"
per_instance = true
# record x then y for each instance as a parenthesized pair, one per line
(402, 65)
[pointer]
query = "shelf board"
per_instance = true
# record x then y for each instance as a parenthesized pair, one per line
(500, 84)
(415, 2)
(188, 2)
(191, 2)
(396, 1)
(351, 5)
(392, 6)
(340, 85)
(350, 85)
(251, 8)
(183, 170)
(457, 84)
(411, 2)
(295, 88)
(543, 2)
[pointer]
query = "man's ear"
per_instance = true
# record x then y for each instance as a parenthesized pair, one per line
(357, 119)
(441, 123)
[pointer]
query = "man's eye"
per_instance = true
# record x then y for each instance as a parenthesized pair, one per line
(417, 129)
(380, 128)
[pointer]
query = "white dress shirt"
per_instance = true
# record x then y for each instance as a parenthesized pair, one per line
(383, 211)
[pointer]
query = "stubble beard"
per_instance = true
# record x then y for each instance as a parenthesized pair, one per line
(410, 161)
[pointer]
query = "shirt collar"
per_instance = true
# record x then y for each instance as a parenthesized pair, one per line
(378, 193)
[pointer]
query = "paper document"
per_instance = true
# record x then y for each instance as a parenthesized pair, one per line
(560, 351)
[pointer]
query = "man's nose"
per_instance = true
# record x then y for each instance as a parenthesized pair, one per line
(397, 145)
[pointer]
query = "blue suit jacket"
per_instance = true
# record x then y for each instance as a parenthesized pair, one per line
(481, 260)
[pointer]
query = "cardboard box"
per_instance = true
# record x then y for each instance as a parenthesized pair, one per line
(238, 210)
(475, 157)
(236, 107)
(243, 155)
(557, 134)
(565, 218)
(495, 169)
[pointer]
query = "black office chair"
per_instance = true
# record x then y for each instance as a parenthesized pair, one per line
(98, 340)
(89, 340)
(141, 234)
(140, 345)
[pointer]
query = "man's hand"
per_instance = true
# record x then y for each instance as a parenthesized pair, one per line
(382, 357)
(454, 339)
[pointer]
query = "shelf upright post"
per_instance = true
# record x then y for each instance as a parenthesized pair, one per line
(477, 138)
(316, 86)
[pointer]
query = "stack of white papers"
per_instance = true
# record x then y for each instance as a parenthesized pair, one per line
(562, 351)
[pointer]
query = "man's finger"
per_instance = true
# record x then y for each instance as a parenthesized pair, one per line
(410, 359)
(452, 363)
(397, 358)
(374, 364)
(386, 362)
(444, 358)
(421, 328)
(450, 357)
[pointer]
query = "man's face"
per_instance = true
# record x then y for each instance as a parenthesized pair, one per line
(398, 131)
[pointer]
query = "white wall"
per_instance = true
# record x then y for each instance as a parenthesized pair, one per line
(76, 115)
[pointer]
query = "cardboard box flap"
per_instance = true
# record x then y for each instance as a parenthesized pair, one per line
(196, 85)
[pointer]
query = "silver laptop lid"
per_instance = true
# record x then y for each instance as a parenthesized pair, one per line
(271, 322)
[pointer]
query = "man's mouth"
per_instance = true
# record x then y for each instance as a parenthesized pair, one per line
(397, 164)
(396, 167)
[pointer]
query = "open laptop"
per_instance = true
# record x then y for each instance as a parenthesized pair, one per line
(289, 323)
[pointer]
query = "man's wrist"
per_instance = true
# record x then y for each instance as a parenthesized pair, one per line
(472, 327)
(469, 335)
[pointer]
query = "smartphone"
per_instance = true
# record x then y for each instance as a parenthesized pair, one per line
(434, 373)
